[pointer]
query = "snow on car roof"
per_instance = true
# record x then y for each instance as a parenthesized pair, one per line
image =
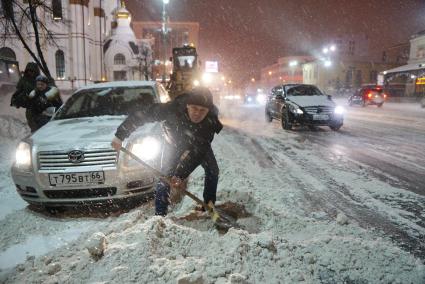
(119, 84)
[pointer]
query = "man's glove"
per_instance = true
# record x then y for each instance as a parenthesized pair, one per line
(177, 188)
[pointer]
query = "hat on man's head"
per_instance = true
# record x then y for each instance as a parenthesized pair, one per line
(42, 78)
(200, 96)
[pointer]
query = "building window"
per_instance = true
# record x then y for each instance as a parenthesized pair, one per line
(7, 53)
(60, 64)
(119, 59)
(57, 9)
(351, 47)
(359, 78)
(373, 76)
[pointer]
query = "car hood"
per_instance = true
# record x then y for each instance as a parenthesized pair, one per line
(87, 132)
(306, 101)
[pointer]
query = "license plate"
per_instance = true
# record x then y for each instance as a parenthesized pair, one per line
(320, 117)
(77, 178)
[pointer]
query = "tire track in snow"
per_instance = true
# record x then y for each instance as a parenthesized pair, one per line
(338, 197)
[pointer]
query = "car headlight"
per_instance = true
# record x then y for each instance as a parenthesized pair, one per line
(146, 149)
(23, 155)
(261, 99)
(295, 109)
(339, 110)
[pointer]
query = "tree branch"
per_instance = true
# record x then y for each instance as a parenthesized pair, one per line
(34, 20)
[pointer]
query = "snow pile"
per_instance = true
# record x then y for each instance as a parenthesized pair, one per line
(157, 250)
(12, 128)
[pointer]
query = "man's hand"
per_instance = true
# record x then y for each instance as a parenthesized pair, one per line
(177, 187)
(176, 183)
(116, 144)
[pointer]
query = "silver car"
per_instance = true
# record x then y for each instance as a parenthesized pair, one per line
(70, 160)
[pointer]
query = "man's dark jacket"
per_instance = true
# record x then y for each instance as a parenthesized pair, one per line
(191, 140)
(25, 85)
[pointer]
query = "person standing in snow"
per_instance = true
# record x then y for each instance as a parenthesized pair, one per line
(39, 100)
(189, 124)
(25, 86)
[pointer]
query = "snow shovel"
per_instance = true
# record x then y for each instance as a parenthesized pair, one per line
(221, 220)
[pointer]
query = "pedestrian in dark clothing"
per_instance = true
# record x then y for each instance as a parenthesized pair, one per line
(39, 100)
(25, 86)
(189, 125)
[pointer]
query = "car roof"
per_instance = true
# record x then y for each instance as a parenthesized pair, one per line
(116, 84)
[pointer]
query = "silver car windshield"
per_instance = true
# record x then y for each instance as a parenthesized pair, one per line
(106, 101)
(303, 90)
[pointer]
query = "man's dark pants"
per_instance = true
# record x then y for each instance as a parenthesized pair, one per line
(169, 162)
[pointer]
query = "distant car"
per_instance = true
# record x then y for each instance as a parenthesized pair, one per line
(70, 160)
(370, 95)
(303, 104)
(255, 99)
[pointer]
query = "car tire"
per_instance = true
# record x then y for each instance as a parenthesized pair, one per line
(285, 120)
(335, 127)
(268, 117)
(380, 105)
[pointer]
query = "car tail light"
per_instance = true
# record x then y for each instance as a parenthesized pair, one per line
(369, 95)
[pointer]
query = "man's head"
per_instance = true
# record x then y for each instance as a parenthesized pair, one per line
(42, 82)
(199, 103)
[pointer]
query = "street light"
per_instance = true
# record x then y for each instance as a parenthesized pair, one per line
(328, 63)
(293, 63)
(164, 34)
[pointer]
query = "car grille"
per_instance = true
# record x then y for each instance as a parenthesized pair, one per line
(81, 193)
(59, 160)
(319, 110)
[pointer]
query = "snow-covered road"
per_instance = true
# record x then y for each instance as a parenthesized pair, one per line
(326, 207)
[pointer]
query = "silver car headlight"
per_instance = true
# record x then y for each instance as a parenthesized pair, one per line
(339, 110)
(23, 155)
(146, 149)
(295, 109)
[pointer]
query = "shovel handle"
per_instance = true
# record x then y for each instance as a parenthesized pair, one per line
(192, 196)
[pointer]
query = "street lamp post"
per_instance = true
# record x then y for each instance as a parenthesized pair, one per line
(164, 37)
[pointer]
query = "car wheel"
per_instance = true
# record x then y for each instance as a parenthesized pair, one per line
(268, 117)
(380, 105)
(286, 123)
(335, 127)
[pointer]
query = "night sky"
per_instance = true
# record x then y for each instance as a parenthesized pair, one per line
(244, 35)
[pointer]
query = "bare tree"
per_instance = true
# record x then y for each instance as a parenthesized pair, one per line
(20, 19)
(145, 60)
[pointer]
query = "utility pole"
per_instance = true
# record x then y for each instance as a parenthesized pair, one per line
(164, 38)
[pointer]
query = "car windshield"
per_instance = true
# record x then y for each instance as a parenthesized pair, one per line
(106, 101)
(303, 90)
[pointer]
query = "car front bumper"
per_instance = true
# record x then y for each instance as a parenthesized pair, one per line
(119, 183)
(307, 119)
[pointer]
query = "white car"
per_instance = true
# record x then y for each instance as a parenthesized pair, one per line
(70, 160)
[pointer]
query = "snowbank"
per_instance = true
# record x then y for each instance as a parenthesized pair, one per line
(157, 250)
